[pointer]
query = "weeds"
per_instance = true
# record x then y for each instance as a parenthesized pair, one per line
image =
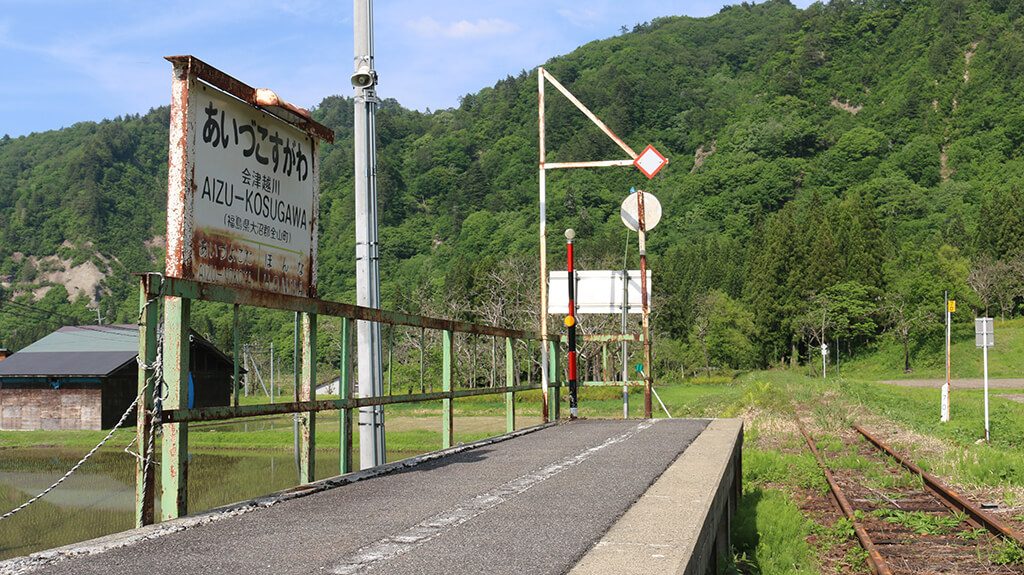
(829, 537)
(1008, 553)
(920, 522)
(856, 559)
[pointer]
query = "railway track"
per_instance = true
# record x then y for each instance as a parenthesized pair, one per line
(907, 520)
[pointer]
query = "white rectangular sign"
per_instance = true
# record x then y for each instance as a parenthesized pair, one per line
(248, 197)
(597, 291)
(984, 332)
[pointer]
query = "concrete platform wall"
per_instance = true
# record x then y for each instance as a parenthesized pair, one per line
(682, 524)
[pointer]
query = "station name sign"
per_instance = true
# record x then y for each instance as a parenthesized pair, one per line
(243, 185)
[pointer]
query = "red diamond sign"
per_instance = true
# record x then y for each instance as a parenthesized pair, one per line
(650, 161)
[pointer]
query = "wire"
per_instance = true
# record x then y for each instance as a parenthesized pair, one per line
(51, 313)
(95, 332)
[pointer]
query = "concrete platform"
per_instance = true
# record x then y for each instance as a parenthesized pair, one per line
(682, 523)
(592, 496)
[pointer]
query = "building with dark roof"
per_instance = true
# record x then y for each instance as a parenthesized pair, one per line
(85, 377)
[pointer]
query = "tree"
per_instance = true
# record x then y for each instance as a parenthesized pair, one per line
(913, 300)
(984, 279)
(843, 311)
(722, 330)
(1009, 286)
(904, 320)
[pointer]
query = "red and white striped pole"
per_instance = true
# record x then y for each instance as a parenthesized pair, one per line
(570, 323)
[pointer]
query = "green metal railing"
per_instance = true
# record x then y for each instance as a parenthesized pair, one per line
(170, 369)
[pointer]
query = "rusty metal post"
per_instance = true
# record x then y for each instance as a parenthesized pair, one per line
(174, 460)
(423, 343)
(510, 380)
(345, 389)
(605, 378)
(144, 478)
(447, 410)
(234, 354)
(644, 304)
(307, 392)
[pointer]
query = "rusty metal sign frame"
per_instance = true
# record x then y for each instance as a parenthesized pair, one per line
(543, 166)
(190, 72)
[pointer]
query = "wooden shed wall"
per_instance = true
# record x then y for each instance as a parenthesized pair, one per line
(47, 408)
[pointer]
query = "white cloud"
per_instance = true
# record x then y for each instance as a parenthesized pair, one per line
(582, 17)
(462, 29)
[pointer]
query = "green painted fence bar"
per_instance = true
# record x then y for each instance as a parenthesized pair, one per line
(145, 478)
(174, 460)
(156, 284)
(345, 389)
(228, 412)
(307, 392)
(447, 410)
(510, 381)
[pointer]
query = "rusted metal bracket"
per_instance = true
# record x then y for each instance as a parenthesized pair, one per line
(256, 97)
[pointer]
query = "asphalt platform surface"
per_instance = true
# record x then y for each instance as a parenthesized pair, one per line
(529, 505)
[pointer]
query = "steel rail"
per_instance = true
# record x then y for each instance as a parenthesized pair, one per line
(946, 494)
(875, 560)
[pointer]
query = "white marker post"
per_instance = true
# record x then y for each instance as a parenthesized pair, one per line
(824, 360)
(950, 308)
(984, 337)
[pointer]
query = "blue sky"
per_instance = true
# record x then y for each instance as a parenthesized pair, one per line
(65, 61)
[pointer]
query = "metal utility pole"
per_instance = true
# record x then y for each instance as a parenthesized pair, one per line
(364, 83)
(570, 323)
(543, 202)
(984, 361)
(624, 350)
(644, 304)
(950, 307)
(984, 337)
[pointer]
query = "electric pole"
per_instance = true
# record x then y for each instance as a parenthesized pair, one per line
(364, 84)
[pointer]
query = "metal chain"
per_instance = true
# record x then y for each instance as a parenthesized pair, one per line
(155, 382)
(146, 457)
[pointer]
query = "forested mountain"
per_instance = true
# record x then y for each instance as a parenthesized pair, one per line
(833, 170)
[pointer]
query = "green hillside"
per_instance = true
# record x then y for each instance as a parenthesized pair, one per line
(840, 166)
(1005, 359)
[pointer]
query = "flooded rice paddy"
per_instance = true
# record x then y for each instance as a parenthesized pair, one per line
(99, 499)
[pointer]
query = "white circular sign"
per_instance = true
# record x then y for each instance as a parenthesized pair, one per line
(630, 212)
